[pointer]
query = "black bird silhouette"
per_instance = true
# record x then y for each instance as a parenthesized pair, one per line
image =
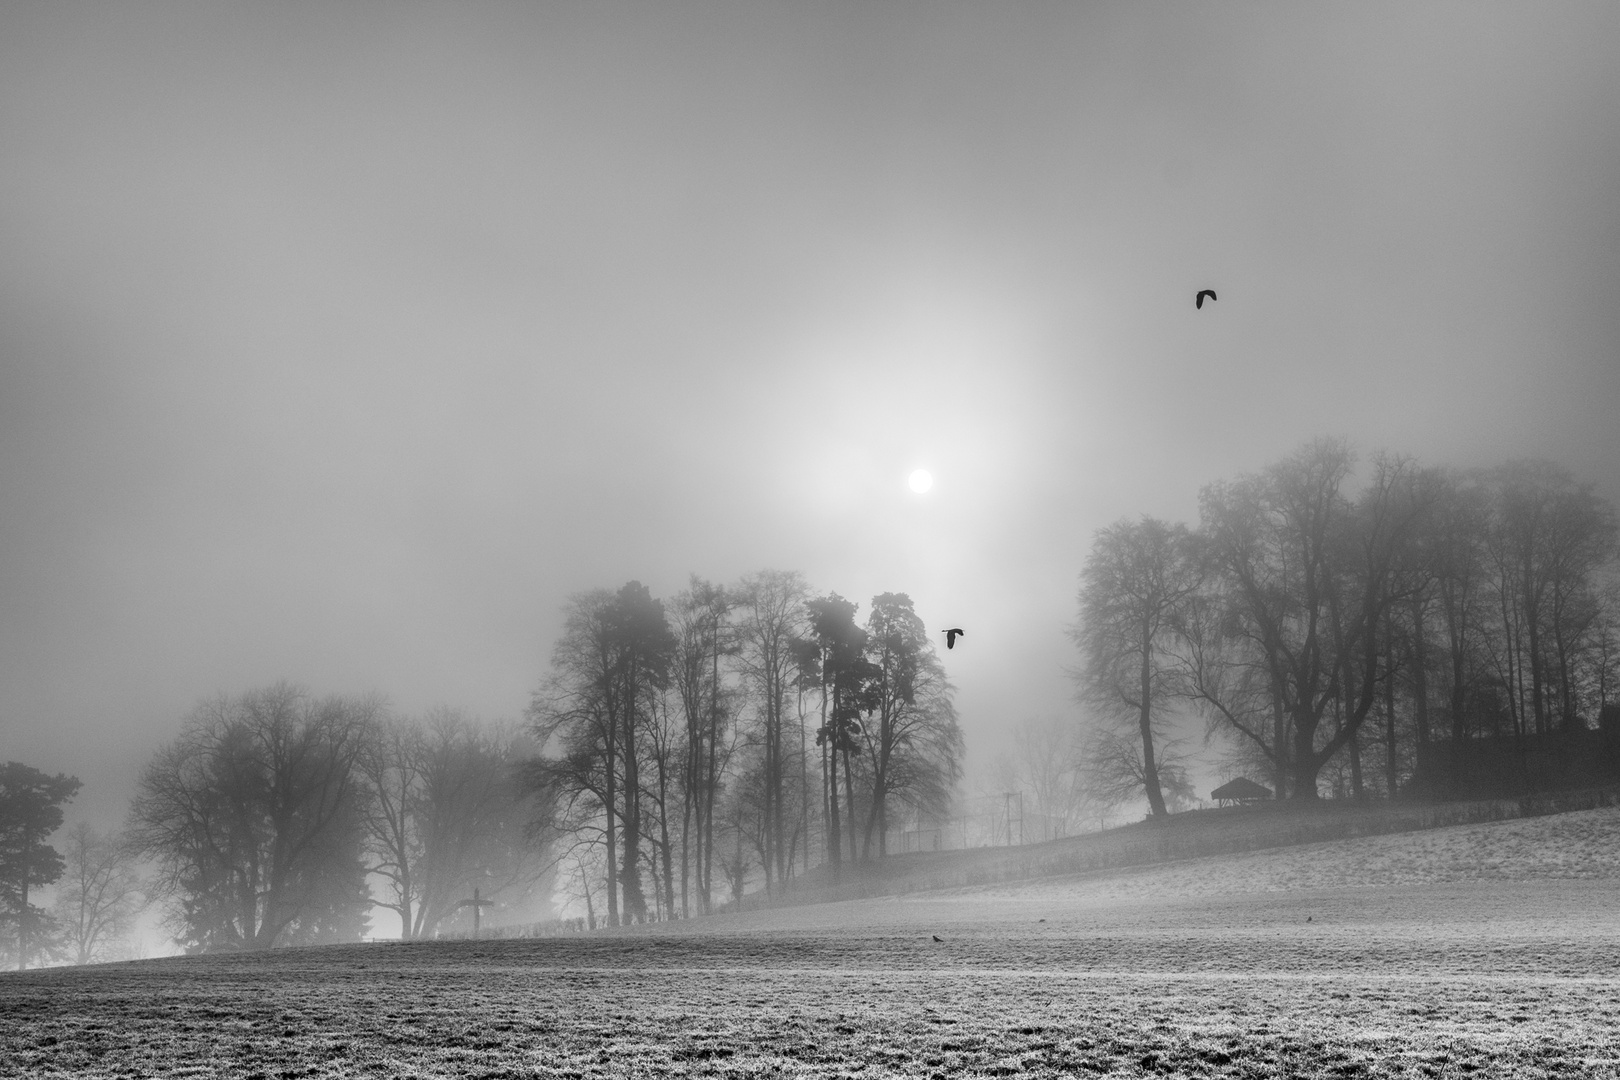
(1207, 292)
(952, 634)
(938, 938)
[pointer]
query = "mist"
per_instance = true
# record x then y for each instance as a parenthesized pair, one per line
(342, 345)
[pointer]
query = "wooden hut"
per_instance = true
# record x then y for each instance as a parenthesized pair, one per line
(1241, 790)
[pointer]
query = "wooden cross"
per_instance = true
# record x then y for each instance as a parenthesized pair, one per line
(478, 907)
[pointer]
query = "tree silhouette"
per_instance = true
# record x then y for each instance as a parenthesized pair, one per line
(845, 694)
(1136, 583)
(30, 811)
(914, 745)
(254, 814)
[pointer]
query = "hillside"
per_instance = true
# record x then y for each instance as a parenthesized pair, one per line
(1478, 950)
(1197, 835)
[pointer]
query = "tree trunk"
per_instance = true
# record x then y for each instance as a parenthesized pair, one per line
(686, 831)
(1532, 621)
(609, 809)
(1150, 768)
(590, 910)
(22, 924)
(829, 758)
(666, 847)
(1356, 790)
(1420, 675)
(1306, 765)
(1391, 765)
(635, 903)
(804, 784)
(1279, 721)
(849, 793)
(711, 779)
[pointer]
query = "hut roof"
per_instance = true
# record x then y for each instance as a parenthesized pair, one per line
(1241, 788)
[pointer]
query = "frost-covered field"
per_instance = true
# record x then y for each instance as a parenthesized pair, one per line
(1489, 950)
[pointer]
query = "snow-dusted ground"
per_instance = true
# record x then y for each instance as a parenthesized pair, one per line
(1488, 950)
(1581, 846)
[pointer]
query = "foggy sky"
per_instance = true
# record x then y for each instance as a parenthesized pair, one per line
(339, 344)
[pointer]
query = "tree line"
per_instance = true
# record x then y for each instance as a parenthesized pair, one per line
(278, 818)
(272, 813)
(754, 728)
(1322, 628)
(750, 729)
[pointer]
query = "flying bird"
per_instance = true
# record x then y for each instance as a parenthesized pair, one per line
(1207, 292)
(952, 634)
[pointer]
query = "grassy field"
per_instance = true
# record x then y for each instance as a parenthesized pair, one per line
(1487, 950)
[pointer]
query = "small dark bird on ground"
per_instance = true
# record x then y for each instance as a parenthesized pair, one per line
(951, 635)
(1207, 292)
(938, 938)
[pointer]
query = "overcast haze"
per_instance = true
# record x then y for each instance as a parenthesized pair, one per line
(339, 344)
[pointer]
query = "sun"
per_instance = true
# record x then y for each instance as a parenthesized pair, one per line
(920, 481)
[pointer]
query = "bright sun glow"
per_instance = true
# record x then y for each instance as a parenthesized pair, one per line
(920, 481)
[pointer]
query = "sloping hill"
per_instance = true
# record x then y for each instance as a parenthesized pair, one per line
(1581, 845)
(1191, 836)
(1479, 950)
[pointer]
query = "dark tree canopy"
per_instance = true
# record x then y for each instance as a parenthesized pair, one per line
(255, 815)
(30, 811)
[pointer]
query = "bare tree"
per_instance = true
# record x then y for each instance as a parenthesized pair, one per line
(1456, 544)
(1137, 580)
(254, 816)
(1116, 772)
(1310, 576)
(99, 895)
(608, 672)
(704, 642)
(771, 616)
(1047, 759)
(448, 811)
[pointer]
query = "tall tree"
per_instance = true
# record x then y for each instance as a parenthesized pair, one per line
(771, 616)
(253, 814)
(447, 811)
(845, 694)
(30, 811)
(1455, 541)
(608, 670)
(704, 640)
(1548, 539)
(1226, 672)
(1137, 580)
(576, 719)
(644, 647)
(914, 746)
(1310, 575)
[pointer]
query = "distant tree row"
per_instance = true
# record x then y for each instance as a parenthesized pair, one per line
(1313, 624)
(98, 891)
(754, 727)
(737, 727)
(272, 812)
